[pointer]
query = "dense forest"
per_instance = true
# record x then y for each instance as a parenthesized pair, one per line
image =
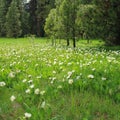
(61, 19)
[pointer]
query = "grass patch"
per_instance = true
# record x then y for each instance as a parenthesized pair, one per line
(58, 83)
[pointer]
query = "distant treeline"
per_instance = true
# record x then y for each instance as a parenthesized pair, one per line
(61, 19)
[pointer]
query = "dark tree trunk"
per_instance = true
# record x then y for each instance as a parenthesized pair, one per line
(68, 42)
(74, 42)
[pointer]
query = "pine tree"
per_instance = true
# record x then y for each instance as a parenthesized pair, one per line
(13, 23)
(2, 17)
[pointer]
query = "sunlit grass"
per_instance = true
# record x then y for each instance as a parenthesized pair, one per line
(58, 83)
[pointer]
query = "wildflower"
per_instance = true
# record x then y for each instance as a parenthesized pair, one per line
(36, 65)
(93, 69)
(2, 84)
(29, 76)
(11, 74)
(27, 115)
(103, 78)
(37, 91)
(38, 77)
(30, 81)
(70, 81)
(42, 92)
(59, 87)
(24, 80)
(91, 76)
(43, 104)
(54, 72)
(32, 86)
(69, 74)
(2, 70)
(52, 81)
(27, 91)
(12, 98)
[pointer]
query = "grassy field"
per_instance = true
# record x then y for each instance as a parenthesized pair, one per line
(41, 82)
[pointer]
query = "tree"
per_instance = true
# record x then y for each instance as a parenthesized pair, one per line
(85, 21)
(68, 10)
(43, 9)
(109, 20)
(13, 23)
(2, 17)
(33, 16)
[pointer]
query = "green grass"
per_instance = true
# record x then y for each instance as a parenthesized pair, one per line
(72, 84)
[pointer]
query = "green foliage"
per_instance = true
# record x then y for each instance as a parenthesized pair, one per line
(58, 83)
(86, 22)
(2, 17)
(13, 23)
(109, 20)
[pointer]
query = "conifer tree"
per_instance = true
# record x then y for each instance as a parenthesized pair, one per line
(2, 17)
(13, 23)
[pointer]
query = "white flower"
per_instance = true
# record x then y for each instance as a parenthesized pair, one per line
(93, 69)
(12, 98)
(11, 75)
(43, 104)
(69, 74)
(91, 76)
(103, 78)
(27, 115)
(37, 91)
(32, 86)
(54, 72)
(36, 65)
(2, 84)
(59, 87)
(30, 81)
(2, 70)
(24, 80)
(42, 92)
(27, 91)
(38, 77)
(70, 81)
(29, 76)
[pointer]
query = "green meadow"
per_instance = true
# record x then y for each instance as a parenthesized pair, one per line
(43, 82)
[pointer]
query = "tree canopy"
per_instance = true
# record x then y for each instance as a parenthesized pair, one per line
(66, 19)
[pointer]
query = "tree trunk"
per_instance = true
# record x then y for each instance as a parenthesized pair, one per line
(68, 42)
(74, 42)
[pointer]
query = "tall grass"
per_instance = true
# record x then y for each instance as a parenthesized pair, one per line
(41, 82)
